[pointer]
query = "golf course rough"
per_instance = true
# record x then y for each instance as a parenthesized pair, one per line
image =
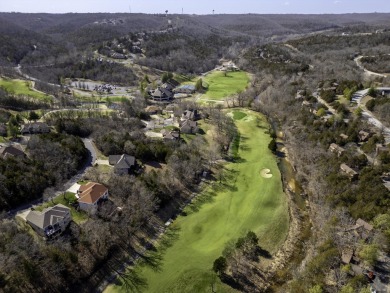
(244, 202)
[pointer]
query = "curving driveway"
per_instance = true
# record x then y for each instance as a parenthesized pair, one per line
(357, 97)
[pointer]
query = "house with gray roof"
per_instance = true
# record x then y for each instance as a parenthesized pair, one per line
(189, 127)
(122, 163)
(3, 130)
(35, 128)
(51, 221)
(11, 151)
(161, 94)
(191, 115)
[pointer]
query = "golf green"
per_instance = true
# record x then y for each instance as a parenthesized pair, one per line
(244, 201)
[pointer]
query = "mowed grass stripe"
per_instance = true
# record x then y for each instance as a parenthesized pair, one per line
(244, 202)
(221, 86)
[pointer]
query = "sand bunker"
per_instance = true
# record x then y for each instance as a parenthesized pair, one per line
(265, 173)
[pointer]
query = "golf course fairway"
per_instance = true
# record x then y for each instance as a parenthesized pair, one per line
(244, 201)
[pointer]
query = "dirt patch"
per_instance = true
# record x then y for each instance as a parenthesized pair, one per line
(265, 173)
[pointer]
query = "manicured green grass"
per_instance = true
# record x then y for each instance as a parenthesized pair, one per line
(69, 198)
(221, 86)
(243, 202)
(22, 87)
(238, 115)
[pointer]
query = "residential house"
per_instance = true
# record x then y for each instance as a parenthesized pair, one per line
(173, 83)
(347, 255)
(161, 94)
(185, 89)
(381, 149)
(363, 136)
(191, 115)
(167, 86)
(3, 130)
(170, 135)
(136, 50)
(122, 163)
(11, 151)
(189, 127)
(386, 180)
(336, 149)
(229, 66)
(152, 110)
(51, 221)
(352, 174)
(90, 195)
(362, 230)
(35, 128)
(116, 55)
(300, 95)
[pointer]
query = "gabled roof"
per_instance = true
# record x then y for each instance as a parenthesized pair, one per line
(157, 93)
(91, 192)
(11, 151)
(48, 216)
(362, 223)
(173, 82)
(122, 161)
(189, 123)
(36, 127)
(166, 92)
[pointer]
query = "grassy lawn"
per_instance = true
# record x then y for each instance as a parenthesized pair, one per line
(22, 87)
(243, 202)
(221, 86)
(69, 198)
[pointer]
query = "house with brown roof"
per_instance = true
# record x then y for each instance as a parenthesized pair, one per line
(352, 174)
(51, 221)
(90, 195)
(11, 151)
(336, 149)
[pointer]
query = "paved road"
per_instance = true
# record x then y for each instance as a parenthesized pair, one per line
(360, 65)
(92, 156)
(357, 97)
(322, 101)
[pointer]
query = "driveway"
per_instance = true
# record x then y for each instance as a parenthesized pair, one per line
(357, 97)
(74, 188)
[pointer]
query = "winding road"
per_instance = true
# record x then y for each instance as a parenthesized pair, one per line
(357, 97)
(368, 72)
(92, 156)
